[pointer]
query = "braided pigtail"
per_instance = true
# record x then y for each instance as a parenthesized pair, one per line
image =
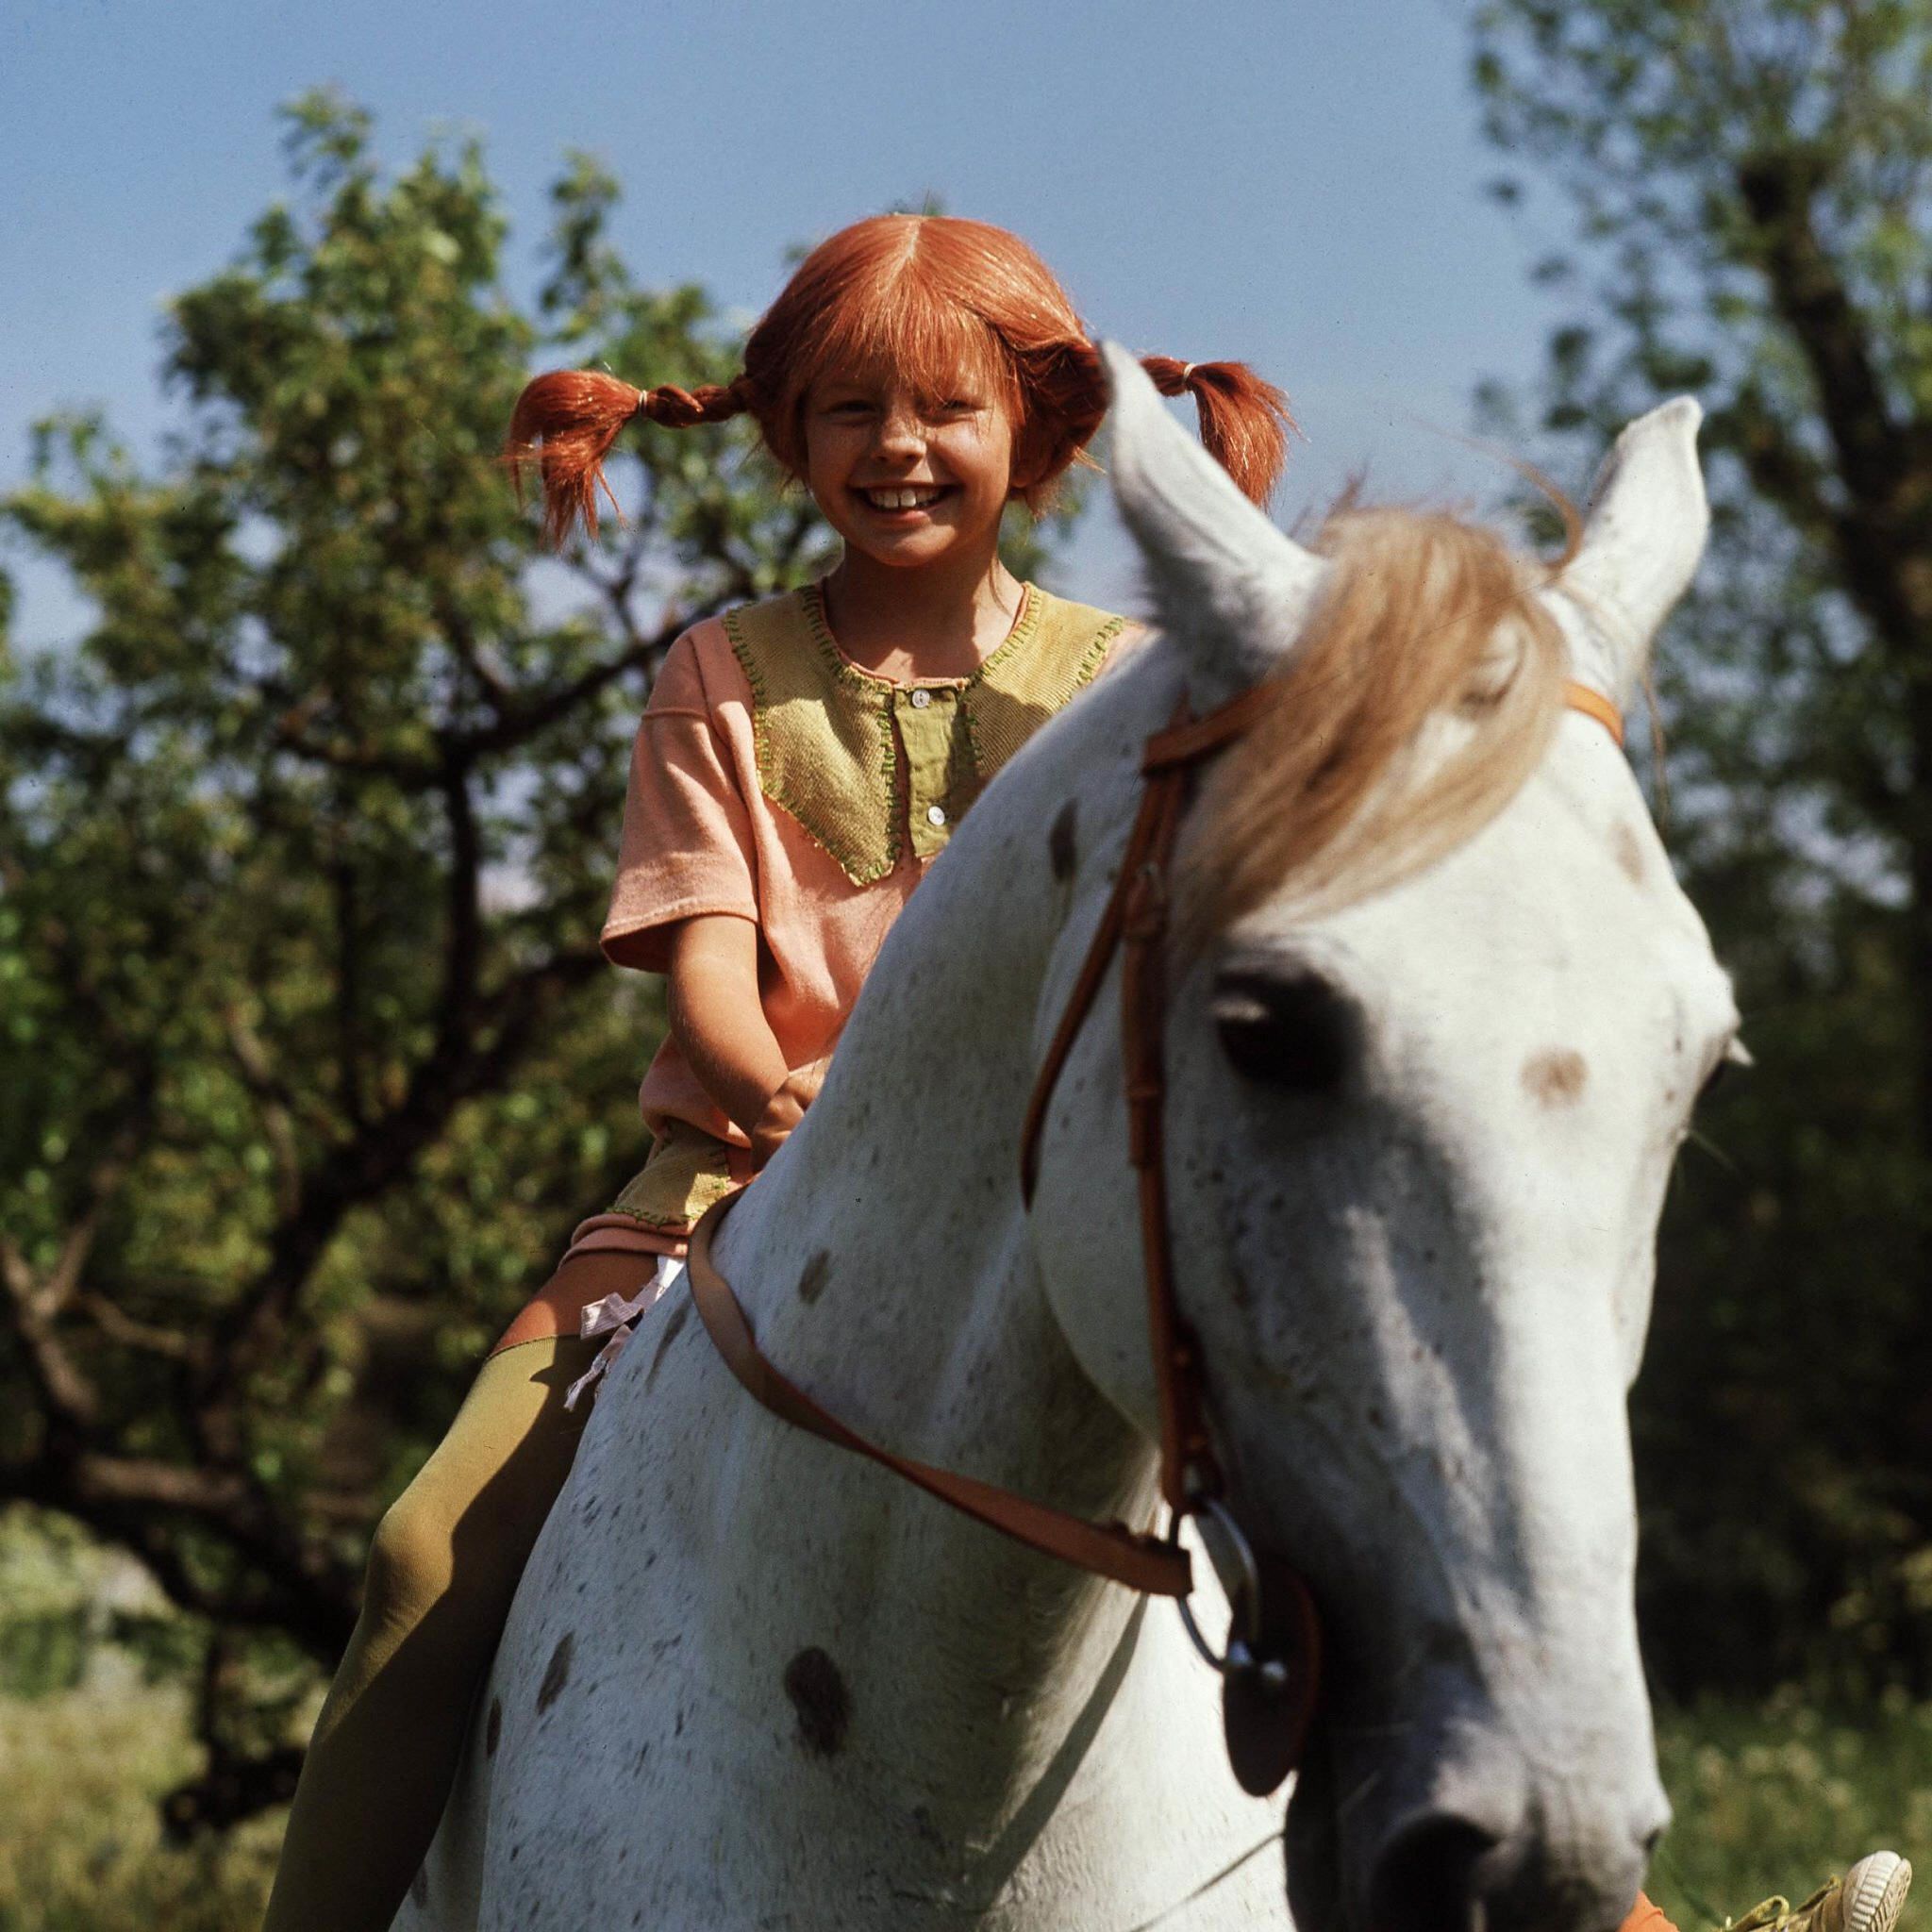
(1244, 420)
(565, 422)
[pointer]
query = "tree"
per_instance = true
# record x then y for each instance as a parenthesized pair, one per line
(1749, 185)
(311, 1060)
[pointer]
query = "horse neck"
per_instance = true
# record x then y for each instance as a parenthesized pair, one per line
(886, 1265)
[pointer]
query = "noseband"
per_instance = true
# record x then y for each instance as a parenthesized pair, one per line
(1270, 1669)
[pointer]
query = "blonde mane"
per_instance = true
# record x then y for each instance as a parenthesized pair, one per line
(1337, 791)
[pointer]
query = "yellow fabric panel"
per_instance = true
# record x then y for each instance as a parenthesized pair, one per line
(824, 728)
(823, 733)
(940, 779)
(1020, 689)
(686, 1170)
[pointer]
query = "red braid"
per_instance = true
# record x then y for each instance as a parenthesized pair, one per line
(1244, 420)
(566, 422)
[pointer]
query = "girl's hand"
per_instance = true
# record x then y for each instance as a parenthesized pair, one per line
(784, 1110)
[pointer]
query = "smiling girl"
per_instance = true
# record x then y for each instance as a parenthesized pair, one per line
(802, 761)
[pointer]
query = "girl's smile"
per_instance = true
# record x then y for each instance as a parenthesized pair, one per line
(902, 500)
(909, 480)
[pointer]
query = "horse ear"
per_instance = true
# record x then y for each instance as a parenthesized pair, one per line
(1228, 587)
(1642, 536)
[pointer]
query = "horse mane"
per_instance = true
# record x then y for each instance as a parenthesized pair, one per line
(1338, 791)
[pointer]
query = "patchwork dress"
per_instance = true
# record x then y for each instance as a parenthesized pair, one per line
(774, 779)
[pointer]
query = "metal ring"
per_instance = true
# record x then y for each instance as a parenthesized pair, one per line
(1240, 1582)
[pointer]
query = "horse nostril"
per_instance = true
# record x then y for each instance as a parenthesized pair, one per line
(1651, 1822)
(1290, 1027)
(1427, 1878)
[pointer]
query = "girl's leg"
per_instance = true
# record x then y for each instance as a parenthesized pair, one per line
(442, 1569)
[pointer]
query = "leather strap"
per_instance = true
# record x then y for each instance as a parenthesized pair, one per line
(1580, 697)
(1134, 921)
(1140, 1561)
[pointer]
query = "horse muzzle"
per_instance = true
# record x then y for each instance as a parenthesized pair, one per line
(1414, 1827)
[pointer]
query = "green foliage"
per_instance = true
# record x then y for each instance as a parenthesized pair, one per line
(81, 1777)
(1748, 188)
(1779, 1797)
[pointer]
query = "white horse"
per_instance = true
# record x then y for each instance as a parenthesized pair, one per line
(1418, 1147)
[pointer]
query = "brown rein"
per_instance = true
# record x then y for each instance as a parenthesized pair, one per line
(1134, 923)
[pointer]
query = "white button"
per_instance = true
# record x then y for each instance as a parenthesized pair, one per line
(920, 700)
(935, 814)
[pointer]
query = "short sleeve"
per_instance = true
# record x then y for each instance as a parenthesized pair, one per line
(686, 843)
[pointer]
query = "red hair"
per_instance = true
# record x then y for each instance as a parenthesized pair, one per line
(927, 299)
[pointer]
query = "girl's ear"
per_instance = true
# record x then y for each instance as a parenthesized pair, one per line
(1039, 457)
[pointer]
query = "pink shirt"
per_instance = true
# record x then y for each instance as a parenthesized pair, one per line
(699, 836)
(882, 782)
(703, 837)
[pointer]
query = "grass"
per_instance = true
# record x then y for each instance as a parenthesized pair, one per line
(80, 1847)
(1779, 1797)
(1769, 1799)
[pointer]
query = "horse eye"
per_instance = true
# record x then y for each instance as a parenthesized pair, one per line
(1289, 1028)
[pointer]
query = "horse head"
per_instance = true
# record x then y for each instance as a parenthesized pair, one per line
(1439, 1015)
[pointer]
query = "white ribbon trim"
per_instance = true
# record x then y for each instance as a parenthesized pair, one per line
(618, 1313)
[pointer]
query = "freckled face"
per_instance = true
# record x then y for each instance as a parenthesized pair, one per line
(910, 480)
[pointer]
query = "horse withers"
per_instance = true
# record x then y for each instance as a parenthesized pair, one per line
(1438, 1017)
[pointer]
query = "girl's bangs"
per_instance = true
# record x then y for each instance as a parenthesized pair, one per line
(910, 331)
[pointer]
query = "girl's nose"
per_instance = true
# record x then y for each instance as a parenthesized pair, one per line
(901, 432)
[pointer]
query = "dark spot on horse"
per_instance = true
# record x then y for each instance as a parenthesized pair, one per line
(924, 1824)
(679, 1316)
(557, 1673)
(1554, 1078)
(1239, 1285)
(419, 1887)
(1628, 854)
(492, 1731)
(818, 1271)
(819, 1696)
(1062, 843)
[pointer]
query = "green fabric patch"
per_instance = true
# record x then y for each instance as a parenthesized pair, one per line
(685, 1172)
(824, 728)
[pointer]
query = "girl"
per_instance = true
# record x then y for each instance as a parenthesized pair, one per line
(800, 763)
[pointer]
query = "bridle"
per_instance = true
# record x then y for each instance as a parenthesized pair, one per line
(1270, 1669)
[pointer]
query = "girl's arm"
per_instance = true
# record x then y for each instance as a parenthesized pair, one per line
(721, 1026)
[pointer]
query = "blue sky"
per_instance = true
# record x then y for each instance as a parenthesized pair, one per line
(1295, 185)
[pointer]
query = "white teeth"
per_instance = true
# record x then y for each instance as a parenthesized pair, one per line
(901, 499)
